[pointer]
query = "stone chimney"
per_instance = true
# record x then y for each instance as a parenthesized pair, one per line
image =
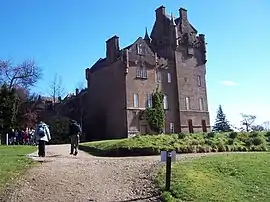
(76, 91)
(112, 48)
(160, 11)
(183, 14)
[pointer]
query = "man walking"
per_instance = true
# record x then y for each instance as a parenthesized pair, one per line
(74, 131)
(42, 135)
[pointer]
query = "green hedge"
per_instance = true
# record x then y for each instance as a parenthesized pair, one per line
(181, 143)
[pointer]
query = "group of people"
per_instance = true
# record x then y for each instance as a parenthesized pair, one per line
(21, 137)
(42, 136)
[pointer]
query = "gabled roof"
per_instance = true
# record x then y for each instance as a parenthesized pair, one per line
(102, 62)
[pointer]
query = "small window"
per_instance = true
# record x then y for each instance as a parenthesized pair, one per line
(199, 80)
(148, 100)
(187, 103)
(139, 49)
(141, 72)
(165, 102)
(169, 78)
(158, 75)
(135, 100)
(171, 127)
(185, 79)
(201, 104)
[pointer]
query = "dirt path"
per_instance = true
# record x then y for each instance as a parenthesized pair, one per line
(65, 178)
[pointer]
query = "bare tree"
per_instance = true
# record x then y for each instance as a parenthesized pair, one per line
(80, 85)
(247, 121)
(56, 88)
(266, 125)
(25, 74)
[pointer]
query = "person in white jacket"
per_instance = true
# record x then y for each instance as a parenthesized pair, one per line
(42, 135)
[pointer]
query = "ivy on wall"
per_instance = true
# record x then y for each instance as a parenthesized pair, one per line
(155, 116)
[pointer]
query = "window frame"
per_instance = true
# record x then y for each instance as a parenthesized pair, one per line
(136, 100)
(187, 103)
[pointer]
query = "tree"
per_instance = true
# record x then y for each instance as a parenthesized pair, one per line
(56, 89)
(247, 121)
(266, 125)
(257, 128)
(221, 123)
(24, 75)
(9, 102)
(27, 113)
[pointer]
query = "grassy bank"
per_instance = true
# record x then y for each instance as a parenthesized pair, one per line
(13, 162)
(231, 177)
(181, 143)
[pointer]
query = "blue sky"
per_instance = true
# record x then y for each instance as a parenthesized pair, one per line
(67, 36)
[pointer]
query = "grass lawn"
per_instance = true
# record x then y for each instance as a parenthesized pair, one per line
(181, 143)
(230, 177)
(13, 162)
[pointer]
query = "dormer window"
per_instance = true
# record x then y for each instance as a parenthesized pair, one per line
(139, 49)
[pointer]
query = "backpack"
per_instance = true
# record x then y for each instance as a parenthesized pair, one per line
(41, 130)
(75, 128)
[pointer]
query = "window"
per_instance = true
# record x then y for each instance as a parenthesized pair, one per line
(187, 103)
(169, 78)
(201, 104)
(141, 73)
(135, 100)
(171, 127)
(199, 80)
(139, 49)
(148, 100)
(158, 75)
(165, 102)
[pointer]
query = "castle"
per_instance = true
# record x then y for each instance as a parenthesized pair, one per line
(120, 85)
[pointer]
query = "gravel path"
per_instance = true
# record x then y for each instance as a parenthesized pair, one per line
(65, 178)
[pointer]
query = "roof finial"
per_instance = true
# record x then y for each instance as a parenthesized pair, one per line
(172, 20)
(146, 36)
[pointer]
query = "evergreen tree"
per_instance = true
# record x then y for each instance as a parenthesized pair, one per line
(221, 123)
(8, 108)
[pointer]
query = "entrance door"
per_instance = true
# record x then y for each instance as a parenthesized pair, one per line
(204, 129)
(190, 126)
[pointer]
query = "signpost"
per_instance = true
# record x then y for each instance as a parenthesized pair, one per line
(168, 157)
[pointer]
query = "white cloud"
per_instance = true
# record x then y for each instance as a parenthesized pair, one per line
(228, 83)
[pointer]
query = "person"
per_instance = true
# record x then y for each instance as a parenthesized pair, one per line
(42, 135)
(74, 132)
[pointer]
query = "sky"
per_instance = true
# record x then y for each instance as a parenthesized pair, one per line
(67, 36)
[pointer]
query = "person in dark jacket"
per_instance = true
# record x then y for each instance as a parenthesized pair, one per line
(74, 132)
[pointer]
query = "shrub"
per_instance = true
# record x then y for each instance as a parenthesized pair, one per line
(230, 141)
(233, 135)
(258, 141)
(182, 135)
(211, 134)
(59, 128)
(267, 134)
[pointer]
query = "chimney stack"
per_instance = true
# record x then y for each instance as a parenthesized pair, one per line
(112, 48)
(160, 11)
(183, 14)
(76, 91)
